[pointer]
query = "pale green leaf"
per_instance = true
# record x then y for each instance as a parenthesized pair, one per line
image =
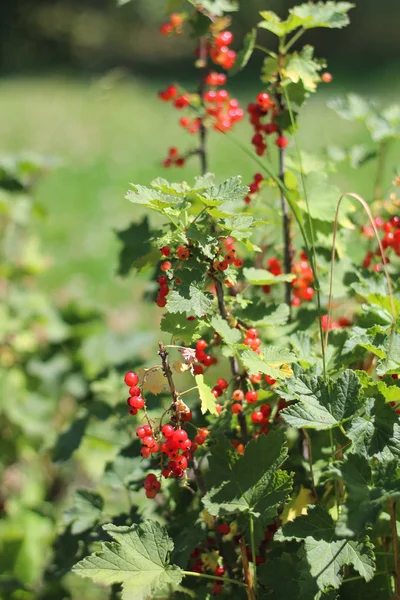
(228, 334)
(206, 396)
(138, 559)
(264, 277)
(273, 362)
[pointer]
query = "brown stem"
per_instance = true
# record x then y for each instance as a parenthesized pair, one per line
(248, 578)
(395, 544)
(167, 371)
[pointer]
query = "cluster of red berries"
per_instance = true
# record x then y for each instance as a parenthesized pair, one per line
(175, 444)
(302, 285)
(254, 187)
(135, 400)
(252, 340)
(173, 26)
(205, 359)
(389, 240)
(220, 53)
(223, 110)
(182, 253)
(227, 256)
(173, 158)
(257, 111)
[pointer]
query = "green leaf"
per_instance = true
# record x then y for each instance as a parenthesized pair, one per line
(264, 277)
(376, 433)
(326, 553)
(137, 251)
(366, 493)
(252, 483)
(323, 14)
(229, 335)
(319, 406)
(302, 67)
(85, 512)
(272, 22)
(232, 189)
(198, 302)
(217, 7)
(246, 52)
(138, 559)
(207, 398)
(182, 329)
(273, 362)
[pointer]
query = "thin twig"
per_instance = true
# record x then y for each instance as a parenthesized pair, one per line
(395, 544)
(246, 570)
(167, 371)
(213, 577)
(385, 269)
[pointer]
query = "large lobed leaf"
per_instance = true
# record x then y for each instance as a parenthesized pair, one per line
(252, 483)
(139, 559)
(321, 406)
(274, 362)
(327, 554)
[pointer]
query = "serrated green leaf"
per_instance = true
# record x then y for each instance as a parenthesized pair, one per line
(366, 493)
(85, 512)
(264, 277)
(206, 396)
(253, 482)
(198, 302)
(271, 22)
(232, 189)
(273, 362)
(229, 335)
(138, 559)
(376, 433)
(319, 406)
(323, 14)
(303, 67)
(181, 329)
(326, 553)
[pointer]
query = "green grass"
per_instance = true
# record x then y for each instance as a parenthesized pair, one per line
(105, 134)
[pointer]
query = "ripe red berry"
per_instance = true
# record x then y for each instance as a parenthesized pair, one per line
(252, 333)
(216, 391)
(236, 408)
(281, 141)
(167, 431)
(165, 251)
(223, 39)
(219, 570)
(264, 101)
(222, 383)
(136, 402)
(224, 529)
(198, 370)
(179, 436)
(134, 391)
(251, 396)
(269, 380)
(131, 378)
(161, 301)
(257, 416)
(201, 344)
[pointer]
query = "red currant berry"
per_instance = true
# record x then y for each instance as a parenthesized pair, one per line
(131, 378)
(165, 251)
(224, 529)
(326, 77)
(134, 391)
(251, 396)
(236, 408)
(281, 141)
(222, 383)
(237, 395)
(166, 266)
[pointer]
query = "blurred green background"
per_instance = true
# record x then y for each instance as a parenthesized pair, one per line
(79, 84)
